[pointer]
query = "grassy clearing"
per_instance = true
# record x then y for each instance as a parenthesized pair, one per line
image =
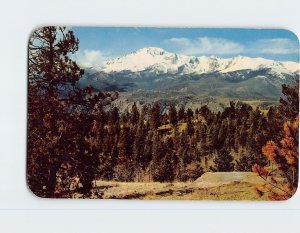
(236, 191)
(220, 190)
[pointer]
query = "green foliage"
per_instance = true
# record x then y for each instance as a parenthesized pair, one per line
(246, 162)
(62, 118)
(192, 172)
(181, 114)
(124, 173)
(289, 104)
(173, 115)
(155, 116)
(164, 170)
(223, 162)
(189, 128)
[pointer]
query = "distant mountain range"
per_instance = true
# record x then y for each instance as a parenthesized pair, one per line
(161, 61)
(153, 74)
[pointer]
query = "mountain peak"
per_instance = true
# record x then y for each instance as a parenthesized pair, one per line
(158, 59)
(151, 50)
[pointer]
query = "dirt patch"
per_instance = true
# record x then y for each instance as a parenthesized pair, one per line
(215, 179)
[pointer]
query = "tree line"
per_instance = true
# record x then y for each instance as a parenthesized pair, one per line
(152, 145)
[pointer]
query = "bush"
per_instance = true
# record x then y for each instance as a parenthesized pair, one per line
(192, 172)
(123, 173)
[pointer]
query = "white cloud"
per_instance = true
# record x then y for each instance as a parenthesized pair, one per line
(206, 45)
(221, 46)
(275, 46)
(91, 58)
(179, 41)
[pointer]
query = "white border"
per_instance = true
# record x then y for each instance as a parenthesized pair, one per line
(20, 211)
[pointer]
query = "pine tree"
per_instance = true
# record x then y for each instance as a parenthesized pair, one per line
(126, 142)
(248, 160)
(289, 104)
(125, 118)
(189, 127)
(114, 115)
(134, 114)
(181, 114)
(285, 153)
(204, 111)
(139, 142)
(223, 162)
(202, 134)
(155, 116)
(286, 157)
(59, 113)
(124, 171)
(221, 135)
(156, 156)
(189, 114)
(212, 136)
(173, 115)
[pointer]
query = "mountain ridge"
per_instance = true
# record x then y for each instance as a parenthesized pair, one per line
(161, 61)
(153, 75)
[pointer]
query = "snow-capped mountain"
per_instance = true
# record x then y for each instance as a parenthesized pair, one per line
(155, 75)
(159, 60)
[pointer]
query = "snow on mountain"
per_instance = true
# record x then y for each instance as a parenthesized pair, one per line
(159, 60)
(146, 58)
(291, 66)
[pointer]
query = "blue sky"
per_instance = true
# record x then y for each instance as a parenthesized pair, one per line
(97, 44)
